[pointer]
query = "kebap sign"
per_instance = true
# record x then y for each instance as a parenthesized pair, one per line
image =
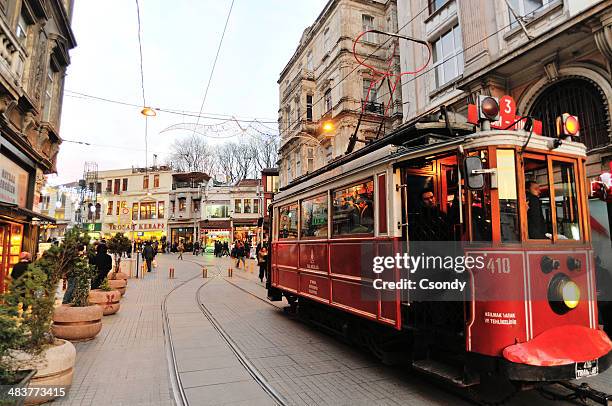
(13, 182)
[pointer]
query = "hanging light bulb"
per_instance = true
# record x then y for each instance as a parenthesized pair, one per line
(148, 112)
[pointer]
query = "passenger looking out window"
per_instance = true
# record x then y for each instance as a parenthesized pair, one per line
(353, 209)
(536, 224)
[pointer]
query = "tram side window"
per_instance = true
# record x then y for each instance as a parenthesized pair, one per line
(507, 193)
(353, 209)
(539, 223)
(314, 217)
(288, 222)
(566, 203)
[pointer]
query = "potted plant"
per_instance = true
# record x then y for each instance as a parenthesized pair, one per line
(106, 297)
(118, 245)
(52, 359)
(77, 320)
(14, 375)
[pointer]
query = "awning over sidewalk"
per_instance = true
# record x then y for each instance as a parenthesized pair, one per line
(14, 212)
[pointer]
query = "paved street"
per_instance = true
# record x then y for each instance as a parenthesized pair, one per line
(127, 363)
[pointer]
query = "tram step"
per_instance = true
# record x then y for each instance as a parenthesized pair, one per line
(439, 369)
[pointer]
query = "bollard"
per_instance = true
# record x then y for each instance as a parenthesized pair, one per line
(250, 267)
(143, 269)
(171, 273)
(204, 273)
(230, 271)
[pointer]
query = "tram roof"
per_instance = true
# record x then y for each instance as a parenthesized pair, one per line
(420, 139)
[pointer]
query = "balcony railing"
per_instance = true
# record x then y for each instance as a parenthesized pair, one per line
(373, 107)
(185, 185)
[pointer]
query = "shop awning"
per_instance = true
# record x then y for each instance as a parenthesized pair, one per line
(17, 213)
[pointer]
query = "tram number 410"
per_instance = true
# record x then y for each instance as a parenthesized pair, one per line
(498, 265)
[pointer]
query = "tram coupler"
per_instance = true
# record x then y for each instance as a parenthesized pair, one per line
(584, 391)
(204, 273)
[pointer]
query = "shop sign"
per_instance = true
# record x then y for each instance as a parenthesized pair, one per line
(92, 226)
(13, 182)
(137, 227)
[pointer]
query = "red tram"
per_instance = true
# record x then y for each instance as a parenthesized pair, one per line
(540, 321)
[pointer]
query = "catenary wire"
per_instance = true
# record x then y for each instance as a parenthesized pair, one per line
(212, 71)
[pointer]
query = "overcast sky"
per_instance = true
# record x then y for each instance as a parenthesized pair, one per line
(180, 39)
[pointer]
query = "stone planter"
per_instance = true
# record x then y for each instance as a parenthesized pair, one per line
(107, 300)
(77, 323)
(55, 368)
(118, 284)
(21, 382)
(118, 276)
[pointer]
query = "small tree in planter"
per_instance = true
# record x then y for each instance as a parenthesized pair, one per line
(13, 335)
(118, 245)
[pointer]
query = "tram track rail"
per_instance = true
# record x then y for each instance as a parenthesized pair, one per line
(178, 391)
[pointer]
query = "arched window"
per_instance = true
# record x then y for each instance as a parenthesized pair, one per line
(578, 97)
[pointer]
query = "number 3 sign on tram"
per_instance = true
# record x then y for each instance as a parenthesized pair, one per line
(507, 113)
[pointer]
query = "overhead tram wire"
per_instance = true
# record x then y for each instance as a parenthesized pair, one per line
(142, 86)
(210, 116)
(212, 71)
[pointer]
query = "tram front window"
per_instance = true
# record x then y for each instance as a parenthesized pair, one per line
(508, 203)
(537, 196)
(566, 203)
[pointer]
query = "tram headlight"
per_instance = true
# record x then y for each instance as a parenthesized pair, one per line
(563, 294)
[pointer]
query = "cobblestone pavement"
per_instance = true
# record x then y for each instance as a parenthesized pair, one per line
(126, 363)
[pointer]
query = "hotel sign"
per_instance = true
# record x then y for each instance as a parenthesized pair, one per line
(13, 182)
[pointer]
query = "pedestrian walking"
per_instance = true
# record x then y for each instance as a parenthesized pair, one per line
(262, 261)
(20, 268)
(181, 249)
(240, 254)
(148, 255)
(103, 263)
(196, 248)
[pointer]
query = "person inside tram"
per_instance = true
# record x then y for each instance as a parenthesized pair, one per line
(536, 224)
(432, 223)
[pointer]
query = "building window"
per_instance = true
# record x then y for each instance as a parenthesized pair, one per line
(99, 187)
(117, 187)
(247, 206)
(369, 94)
(98, 211)
(298, 163)
(310, 159)
(48, 97)
(367, 24)
(117, 208)
(436, 5)
(255, 206)
(309, 62)
(326, 41)
(172, 206)
(161, 209)
(196, 205)
(182, 203)
(124, 185)
(22, 29)
(525, 7)
(448, 56)
(109, 209)
(156, 181)
(289, 178)
(217, 209)
(134, 211)
(238, 206)
(145, 182)
(328, 100)
(308, 107)
(148, 210)
(109, 185)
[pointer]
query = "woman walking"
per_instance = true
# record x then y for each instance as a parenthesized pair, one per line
(262, 261)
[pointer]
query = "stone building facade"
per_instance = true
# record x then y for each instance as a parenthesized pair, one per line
(323, 82)
(36, 36)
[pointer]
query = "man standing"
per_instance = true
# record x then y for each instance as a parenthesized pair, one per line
(147, 255)
(103, 263)
(181, 249)
(536, 225)
(432, 223)
(20, 268)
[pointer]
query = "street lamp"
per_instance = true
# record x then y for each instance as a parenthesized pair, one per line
(148, 112)
(328, 127)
